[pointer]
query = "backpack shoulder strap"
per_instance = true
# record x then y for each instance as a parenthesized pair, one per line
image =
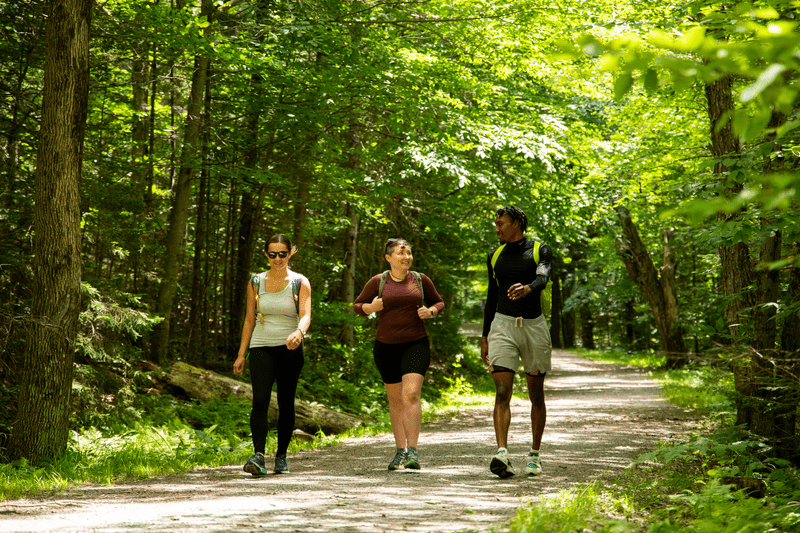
(382, 284)
(495, 255)
(297, 281)
(419, 284)
(255, 281)
(536, 251)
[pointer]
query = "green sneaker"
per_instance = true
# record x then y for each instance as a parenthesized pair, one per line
(256, 465)
(399, 459)
(281, 466)
(534, 466)
(412, 459)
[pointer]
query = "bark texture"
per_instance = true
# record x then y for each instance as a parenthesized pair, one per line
(179, 211)
(43, 407)
(658, 288)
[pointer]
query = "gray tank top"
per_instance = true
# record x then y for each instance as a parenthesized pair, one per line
(280, 316)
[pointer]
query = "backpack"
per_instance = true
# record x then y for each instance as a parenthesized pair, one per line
(296, 281)
(413, 273)
(547, 293)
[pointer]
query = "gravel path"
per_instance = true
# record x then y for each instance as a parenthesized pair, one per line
(599, 418)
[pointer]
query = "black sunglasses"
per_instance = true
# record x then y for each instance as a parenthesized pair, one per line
(273, 255)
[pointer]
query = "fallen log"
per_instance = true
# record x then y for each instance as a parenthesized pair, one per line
(205, 385)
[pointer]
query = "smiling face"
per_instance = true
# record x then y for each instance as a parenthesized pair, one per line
(400, 258)
(278, 249)
(506, 230)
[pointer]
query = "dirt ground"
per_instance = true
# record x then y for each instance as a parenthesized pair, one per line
(599, 418)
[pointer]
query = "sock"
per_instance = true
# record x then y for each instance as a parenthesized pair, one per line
(535, 452)
(501, 450)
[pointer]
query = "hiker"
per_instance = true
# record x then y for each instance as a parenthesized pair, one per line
(514, 329)
(401, 351)
(276, 322)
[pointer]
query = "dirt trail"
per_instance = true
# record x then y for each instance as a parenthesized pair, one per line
(599, 418)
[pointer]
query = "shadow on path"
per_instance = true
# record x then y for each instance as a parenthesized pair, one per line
(600, 417)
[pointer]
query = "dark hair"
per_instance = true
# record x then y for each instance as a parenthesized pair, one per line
(281, 239)
(391, 244)
(514, 213)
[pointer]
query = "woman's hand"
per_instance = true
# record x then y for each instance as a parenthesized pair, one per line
(294, 340)
(238, 365)
(425, 313)
(375, 306)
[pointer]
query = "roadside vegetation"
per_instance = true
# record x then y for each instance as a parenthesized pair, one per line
(721, 480)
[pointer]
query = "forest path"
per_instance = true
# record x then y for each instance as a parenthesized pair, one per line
(599, 418)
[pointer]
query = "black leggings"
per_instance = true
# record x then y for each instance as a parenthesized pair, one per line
(268, 365)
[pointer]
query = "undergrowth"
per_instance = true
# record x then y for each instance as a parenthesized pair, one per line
(723, 481)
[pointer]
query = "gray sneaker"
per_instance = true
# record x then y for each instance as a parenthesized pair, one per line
(534, 466)
(256, 465)
(501, 464)
(399, 459)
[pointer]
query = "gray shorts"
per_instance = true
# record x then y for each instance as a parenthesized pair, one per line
(528, 339)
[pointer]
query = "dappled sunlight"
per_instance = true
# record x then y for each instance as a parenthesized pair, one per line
(600, 418)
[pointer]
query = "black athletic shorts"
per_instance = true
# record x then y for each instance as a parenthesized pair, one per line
(396, 360)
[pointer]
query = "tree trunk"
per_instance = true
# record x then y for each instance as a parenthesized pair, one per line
(205, 385)
(197, 303)
(555, 313)
(42, 425)
(179, 212)
(587, 327)
(348, 292)
(568, 318)
(660, 291)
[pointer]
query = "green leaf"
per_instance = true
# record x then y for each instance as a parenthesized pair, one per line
(622, 85)
(651, 80)
(767, 76)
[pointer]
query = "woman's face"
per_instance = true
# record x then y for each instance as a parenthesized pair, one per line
(274, 252)
(400, 258)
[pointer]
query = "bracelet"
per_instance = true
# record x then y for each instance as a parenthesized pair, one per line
(303, 333)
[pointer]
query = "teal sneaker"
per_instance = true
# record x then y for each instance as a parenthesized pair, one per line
(399, 459)
(281, 466)
(534, 466)
(256, 465)
(412, 459)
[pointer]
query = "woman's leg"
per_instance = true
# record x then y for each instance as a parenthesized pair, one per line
(411, 407)
(287, 375)
(394, 392)
(415, 362)
(262, 373)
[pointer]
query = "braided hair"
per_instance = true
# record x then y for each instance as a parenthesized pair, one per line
(515, 214)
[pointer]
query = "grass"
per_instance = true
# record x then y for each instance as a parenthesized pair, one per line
(177, 437)
(680, 487)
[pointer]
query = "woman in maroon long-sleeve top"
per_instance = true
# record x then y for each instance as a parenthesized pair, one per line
(402, 352)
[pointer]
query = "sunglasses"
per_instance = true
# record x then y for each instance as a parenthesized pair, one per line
(273, 255)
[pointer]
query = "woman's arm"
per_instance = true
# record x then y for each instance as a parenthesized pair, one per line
(247, 329)
(295, 338)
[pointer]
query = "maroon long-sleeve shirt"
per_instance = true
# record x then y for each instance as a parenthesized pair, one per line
(399, 322)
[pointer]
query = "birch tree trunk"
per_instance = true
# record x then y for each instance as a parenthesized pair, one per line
(42, 424)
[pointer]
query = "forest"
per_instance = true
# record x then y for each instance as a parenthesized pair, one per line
(149, 149)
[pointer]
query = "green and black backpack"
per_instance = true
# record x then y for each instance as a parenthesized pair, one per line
(547, 293)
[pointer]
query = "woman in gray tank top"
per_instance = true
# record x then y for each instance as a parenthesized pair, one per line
(277, 319)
